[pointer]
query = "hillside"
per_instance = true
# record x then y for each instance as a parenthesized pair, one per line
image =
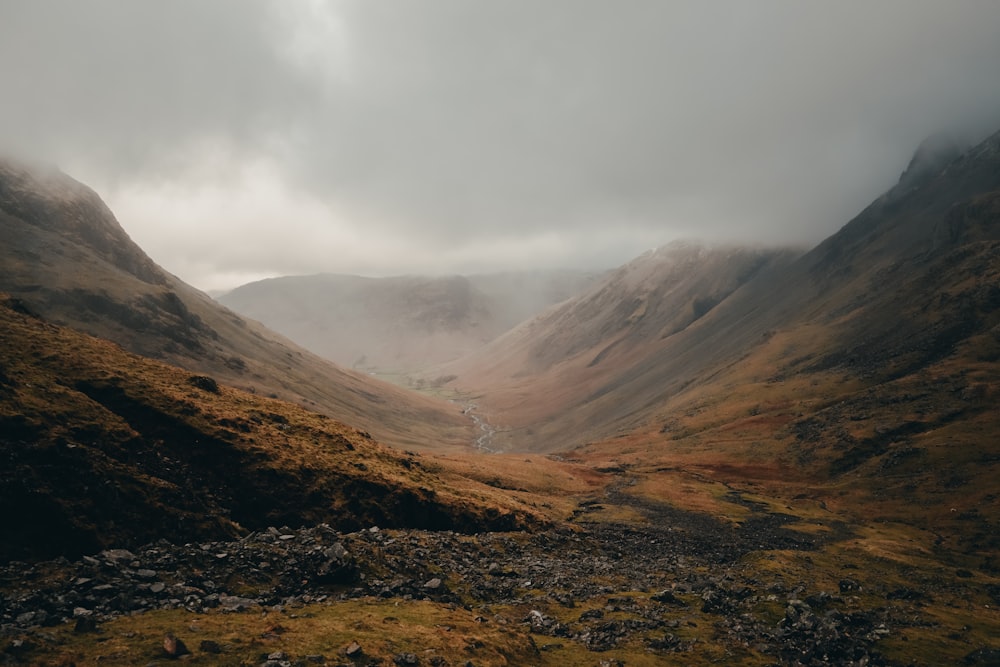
(402, 324)
(760, 456)
(876, 301)
(640, 553)
(106, 448)
(63, 253)
(572, 374)
(863, 374)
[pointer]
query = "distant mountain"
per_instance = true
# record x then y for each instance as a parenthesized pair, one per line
(577, 367)
(878, 299)
(400, 324)
(65, 256)
(865, 372)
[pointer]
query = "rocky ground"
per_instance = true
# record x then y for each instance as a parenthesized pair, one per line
(596, 584)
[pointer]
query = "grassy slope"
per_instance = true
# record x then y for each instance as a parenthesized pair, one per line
(52, 376)
(871, 420)
(105, 447)
(63, 252)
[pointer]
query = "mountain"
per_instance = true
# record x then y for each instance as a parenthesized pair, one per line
(65, 256)
(577, 372)
(759, 456)
(877, 297)
(400, 324)
(864, 372)
(106, 448)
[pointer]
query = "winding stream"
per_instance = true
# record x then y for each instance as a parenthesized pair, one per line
(485, 440)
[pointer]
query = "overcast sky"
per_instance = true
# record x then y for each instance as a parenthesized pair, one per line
(239, 139)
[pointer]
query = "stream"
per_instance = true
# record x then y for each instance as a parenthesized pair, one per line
(485, 440)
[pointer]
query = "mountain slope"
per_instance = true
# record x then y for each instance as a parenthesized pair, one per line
(105, 448)
(577, 367)
(63, 253)
(595, 368)
(404, 323)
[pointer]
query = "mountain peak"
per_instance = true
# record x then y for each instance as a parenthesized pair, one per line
(930, 158)
(47, 199)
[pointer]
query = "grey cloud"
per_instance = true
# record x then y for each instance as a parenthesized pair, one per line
(135, 84)
(462, 125)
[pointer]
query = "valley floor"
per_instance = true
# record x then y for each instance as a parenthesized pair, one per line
(626, 581)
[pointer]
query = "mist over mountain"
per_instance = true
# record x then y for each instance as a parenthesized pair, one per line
(685, 317)
(402, 324)
(66, 257)
(680, 345)
(710, 438)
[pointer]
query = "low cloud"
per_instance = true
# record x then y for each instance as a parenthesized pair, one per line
(255, 138)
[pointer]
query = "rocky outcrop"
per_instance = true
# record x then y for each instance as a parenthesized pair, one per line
(652, 585)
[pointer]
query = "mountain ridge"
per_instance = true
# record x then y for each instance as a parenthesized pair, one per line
(65, 255)
(836, 278)
(760, 455)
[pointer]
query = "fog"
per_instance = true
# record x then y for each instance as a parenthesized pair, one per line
(240, 139)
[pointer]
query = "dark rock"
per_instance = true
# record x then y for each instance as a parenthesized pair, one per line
(668, 597)
(85, 624)
(404, 659)
(117, 556)
(174, 647)
(904, 593)
(983, 656)
(668, 642)
(848, 585)
(204, 383)
(209, 646)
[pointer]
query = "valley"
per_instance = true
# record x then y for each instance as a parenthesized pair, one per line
(711, 455)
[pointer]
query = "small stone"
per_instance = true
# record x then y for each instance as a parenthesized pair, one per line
(85, 624)
(433, 584)
(205, 383)
(847, 585)
(404, 659)
(668, 597)
(157, 587)
(353, 650)
(173, 646)
(209, 646)
(118, 555)
(235, 603)
(277, 655)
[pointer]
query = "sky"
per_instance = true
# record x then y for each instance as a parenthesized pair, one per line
(243, 139)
